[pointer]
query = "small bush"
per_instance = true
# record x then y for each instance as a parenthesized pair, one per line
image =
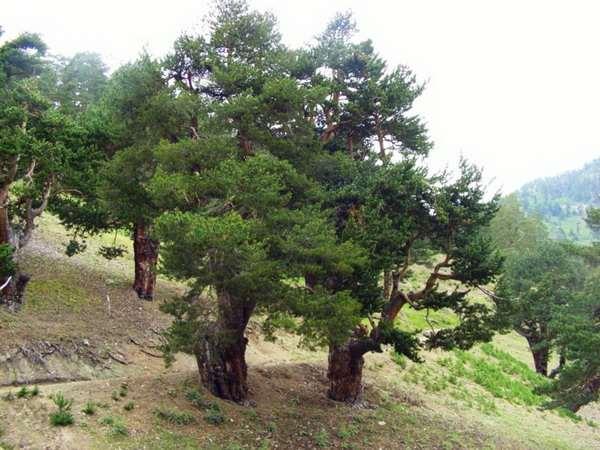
(129, 406)
(564, 412)
(322, 439)
(89, 409)
(115, 396)
(117, 427)
(8, 397)
(214, 415)
(63, 416)
(175, 417)
(347, 431)
(195, 398)
(124, 390)
(23, 392)
(399, 359)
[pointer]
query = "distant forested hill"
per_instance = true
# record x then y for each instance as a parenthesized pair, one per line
(561, 201)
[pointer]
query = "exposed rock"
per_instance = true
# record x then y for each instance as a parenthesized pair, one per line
(44, 361)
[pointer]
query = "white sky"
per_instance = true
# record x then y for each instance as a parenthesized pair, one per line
(514, 86)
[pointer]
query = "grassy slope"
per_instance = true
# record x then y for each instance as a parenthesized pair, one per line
(479, 399)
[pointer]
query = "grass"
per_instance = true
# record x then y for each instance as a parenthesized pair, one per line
(116, 426)
(175, 417)
(493, 377)
(214, 415)
(25, 392)
(196, 399)
(322, 439)
(429, 405)
(65, 296)
(129, 406)
(89, 409)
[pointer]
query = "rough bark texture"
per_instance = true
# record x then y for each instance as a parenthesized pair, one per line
(345, 374)
(541, 355)
(387, 284)
(221, 353)
(145, 252)
(12, 294)
(589, 392)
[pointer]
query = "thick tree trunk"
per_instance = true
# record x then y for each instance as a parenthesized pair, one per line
(588, 393)
(541, 355)
(145, 253)
(345, 374)
(13, 286)
(11, 295)
(221, 352)
(222, 365)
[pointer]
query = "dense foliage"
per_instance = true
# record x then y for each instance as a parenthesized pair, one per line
(289, 186)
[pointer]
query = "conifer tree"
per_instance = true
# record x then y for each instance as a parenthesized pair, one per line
(38, 144)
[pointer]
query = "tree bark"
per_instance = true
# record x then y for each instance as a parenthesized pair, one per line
(145, 253)
(11, 295)
(588, 393)
(345, 373)
(221, 352)
(387, 285)
(541, 354)
(561, 363)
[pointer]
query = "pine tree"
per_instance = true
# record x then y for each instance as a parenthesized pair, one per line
(533, 291)
(37, 146)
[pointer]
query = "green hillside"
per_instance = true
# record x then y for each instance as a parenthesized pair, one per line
(107, 358)
(561, 201)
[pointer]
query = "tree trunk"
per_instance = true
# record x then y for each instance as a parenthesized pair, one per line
(588, 393)
(221, 352)
(345, 374)
(13, 286)
(145, 253)
(561, 363)
(11, 295)
(541, 354)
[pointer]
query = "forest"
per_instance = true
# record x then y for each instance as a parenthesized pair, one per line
(562, 202)
(237, 205)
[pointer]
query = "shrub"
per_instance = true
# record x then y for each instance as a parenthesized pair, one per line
(63, 416)
(23, 392)
(214, 415)
(322, 439)
(195, 398)
(129, 406)
(175, 417)
(117, 427)
(399, 359)
(89, 409)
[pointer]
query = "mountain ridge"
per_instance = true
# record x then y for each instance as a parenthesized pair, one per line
(561, 201)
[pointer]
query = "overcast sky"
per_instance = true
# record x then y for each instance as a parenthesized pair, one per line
(513, 85)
